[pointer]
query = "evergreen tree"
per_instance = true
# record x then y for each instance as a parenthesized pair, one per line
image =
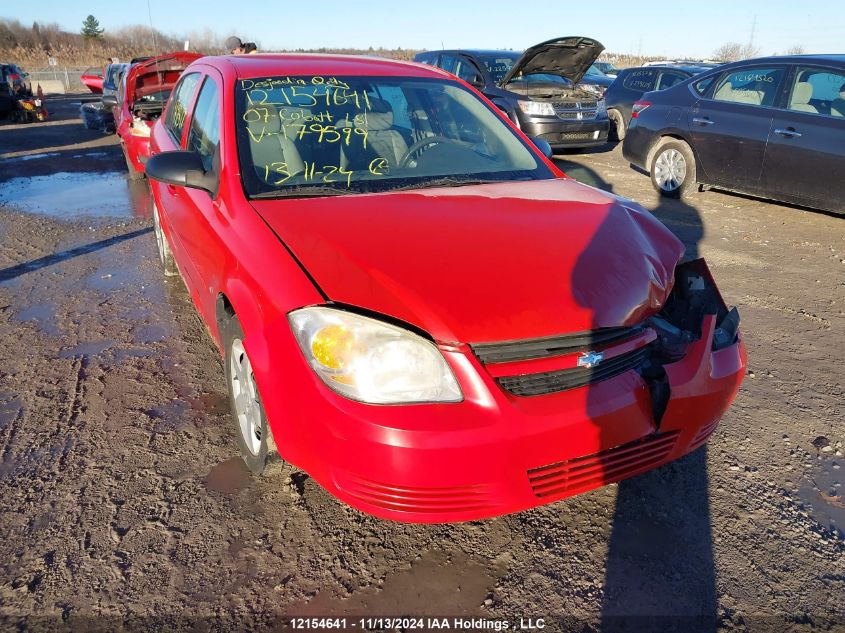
(91, 28)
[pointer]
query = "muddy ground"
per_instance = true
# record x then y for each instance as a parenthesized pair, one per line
(123, 502)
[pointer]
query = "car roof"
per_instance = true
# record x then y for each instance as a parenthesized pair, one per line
(684, 67)
(792, 59)
(271, 65)
(479, 51)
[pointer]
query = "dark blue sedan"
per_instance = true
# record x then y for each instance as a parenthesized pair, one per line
(772, 127)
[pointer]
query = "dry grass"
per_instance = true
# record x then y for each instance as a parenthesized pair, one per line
(30, 46)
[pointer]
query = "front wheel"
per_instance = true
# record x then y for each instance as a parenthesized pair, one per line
(131, 172)
(617, 125)
(254, 439)
(164, 251)
(673, 169)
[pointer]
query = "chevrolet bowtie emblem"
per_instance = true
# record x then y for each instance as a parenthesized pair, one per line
(590, 359)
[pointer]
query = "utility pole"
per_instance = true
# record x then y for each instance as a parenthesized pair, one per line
(751, 37)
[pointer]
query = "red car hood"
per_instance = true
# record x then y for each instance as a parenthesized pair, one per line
(485, 263)
(156, 74)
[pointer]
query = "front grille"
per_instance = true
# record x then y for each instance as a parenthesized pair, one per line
(561, 380)
(553, 345)
(591, 471)
(576, 111)
(417, 499)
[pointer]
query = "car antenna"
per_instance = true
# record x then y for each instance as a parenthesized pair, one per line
(155, 41)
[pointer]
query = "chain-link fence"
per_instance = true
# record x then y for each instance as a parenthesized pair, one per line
(69, 77)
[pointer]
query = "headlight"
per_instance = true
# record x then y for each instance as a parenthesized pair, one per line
(601, 108)
(537, 108)
(371, 361)
(596, 90)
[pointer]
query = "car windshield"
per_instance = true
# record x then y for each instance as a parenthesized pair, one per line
(592, 71)
(499, 65)
(544, 78)
(370, 134)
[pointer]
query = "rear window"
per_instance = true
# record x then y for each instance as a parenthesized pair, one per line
(669, 79)
(498, 65)
(640, 80)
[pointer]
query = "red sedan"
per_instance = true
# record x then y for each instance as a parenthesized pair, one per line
(139, 103)
(414, 305)
(92, 78)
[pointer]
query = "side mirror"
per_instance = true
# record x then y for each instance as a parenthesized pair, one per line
(183, 169)
(540, 144)
(110, 101)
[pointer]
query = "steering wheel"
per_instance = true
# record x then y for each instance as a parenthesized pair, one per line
(424, 143)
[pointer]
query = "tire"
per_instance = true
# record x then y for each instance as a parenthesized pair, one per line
(254, 438)
(672, 169)
(164, 252)
(131, 172)
(617, 125)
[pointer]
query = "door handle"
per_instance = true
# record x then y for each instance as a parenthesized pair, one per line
(788, 132)
(702, 120)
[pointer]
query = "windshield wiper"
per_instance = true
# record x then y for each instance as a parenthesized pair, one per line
(445, 182)
(303, 192)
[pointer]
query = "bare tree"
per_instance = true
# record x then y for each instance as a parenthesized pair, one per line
(795, 50)
(734, 51)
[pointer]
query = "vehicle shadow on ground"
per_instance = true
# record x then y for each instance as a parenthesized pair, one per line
(55, 258)
(660, 572)
(53, 160)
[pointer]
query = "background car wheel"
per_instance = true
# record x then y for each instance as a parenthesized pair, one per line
(132, 173)
(164, 252)
(673, 169)
(254, 438)
(617, 125)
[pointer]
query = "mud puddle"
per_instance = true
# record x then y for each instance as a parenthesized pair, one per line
(67, 195)
(822, 493)
(42, 315)
(438, 582)
(229, 477)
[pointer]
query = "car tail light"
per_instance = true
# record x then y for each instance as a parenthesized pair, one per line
(639, 106)
(14, 76)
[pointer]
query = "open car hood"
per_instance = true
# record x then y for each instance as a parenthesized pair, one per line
(156, 74)
(568, 57)
(485, 263)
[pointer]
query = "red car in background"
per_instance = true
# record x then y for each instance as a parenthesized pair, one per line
(92, 78)
(141, 97)
(414, 305)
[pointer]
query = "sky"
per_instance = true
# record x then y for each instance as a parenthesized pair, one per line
(693, 29)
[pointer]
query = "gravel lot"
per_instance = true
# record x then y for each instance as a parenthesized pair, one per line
(124, 504)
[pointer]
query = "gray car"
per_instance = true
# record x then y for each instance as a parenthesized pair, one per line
(541, 90)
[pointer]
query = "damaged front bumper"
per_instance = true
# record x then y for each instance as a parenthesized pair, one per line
(497, 452)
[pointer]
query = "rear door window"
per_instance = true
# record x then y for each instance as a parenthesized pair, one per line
(818, 91)
(465, 69)
(640, 80)
(205, 124)
(750, 86)
(177, 112)
(448, 62)
(700, 87)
